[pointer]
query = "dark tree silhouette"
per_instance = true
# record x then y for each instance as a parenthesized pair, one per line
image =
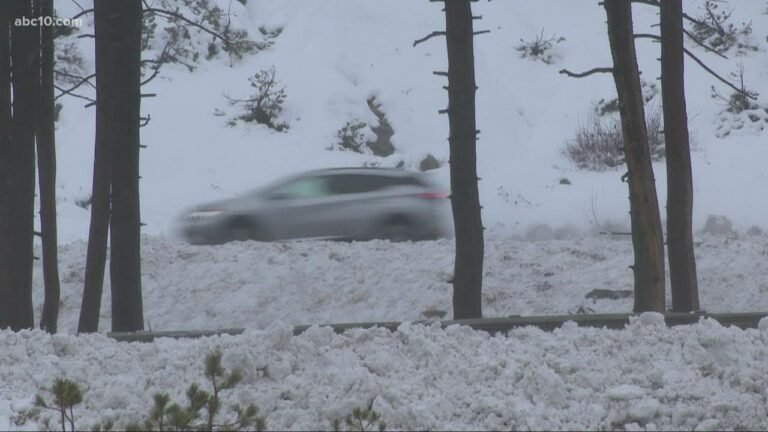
(16, 297)
(647, 236)
(7, 292)
(115, 209)
(102, 172)
(682, 263)
(125, 224)
(46, 160)
(465, 200)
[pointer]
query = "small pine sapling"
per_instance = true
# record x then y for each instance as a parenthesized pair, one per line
(540, 48)
(264, 106)
(66, 394)
(361, 420)
(203, 408)
(351, 137)
(738, 101)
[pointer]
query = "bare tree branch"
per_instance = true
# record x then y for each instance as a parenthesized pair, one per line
(169, 14)
(702, 44)
(83, 12)
(77, 77)
(714, 74)
(155, 73)
(687, 33)
(69, 91)
(78, 5)
(714, 19)
(65, 92)
(586, 73)
(158, 63)
(657, 4)
(700, 63)
(480, 32)
(429, 36)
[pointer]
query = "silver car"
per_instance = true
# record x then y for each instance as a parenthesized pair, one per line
(339, 203)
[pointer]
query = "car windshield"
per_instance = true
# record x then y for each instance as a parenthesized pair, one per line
(306, 187)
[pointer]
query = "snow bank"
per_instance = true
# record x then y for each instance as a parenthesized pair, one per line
(423, 377)
(253, 284)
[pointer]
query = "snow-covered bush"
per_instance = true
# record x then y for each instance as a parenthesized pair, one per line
(718, 226)
(264, 106)
(540, 48)
(71, 67)
(714, 28)
(351, 137)
(168, 30)
(741, 109)
(599, 144)
(429, 163)
(539, 232)
(382, 146)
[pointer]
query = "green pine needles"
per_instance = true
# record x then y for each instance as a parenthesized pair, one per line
(361, 420)
(66, 394)
(203, 409)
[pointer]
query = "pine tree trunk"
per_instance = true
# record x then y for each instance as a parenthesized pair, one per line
(647, 236)
(46, 159)
(7, 307)
(102, 173)
(125, 262)
(682, 263)
(465, 201)
(25, 75)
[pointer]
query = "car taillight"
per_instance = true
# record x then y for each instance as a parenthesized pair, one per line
(432, 195)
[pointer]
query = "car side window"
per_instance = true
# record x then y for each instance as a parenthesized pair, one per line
(308, 187)
(359, 183)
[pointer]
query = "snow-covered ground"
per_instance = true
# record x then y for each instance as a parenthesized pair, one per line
(645, 377)
(253, 284)
(543, 256)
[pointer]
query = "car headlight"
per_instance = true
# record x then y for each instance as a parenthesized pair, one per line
(204, 214)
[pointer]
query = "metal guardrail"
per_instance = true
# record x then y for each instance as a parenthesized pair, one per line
(742, 320)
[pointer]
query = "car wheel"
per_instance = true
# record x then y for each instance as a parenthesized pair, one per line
(242, 230)
(396, 231)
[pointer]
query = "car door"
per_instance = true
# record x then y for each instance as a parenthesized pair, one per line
(300, 207)
(357, 203)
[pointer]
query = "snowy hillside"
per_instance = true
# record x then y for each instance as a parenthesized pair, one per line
(333, 55)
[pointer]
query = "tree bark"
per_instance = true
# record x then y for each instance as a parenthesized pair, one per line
(46, 159)
(465, 200)
(102, 172)
(7, 307)
(682, 263)
(647, 236)
(125, 228)
(25, 63)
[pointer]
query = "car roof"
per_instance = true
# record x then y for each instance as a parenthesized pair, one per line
(367, 170)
